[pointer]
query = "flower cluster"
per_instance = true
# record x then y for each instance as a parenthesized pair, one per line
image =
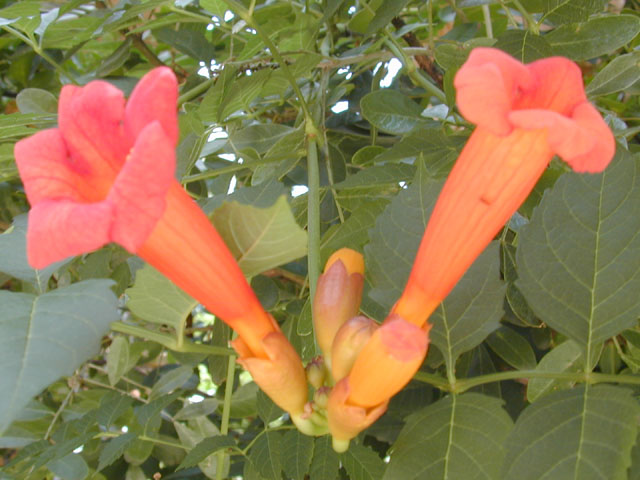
(106, 174)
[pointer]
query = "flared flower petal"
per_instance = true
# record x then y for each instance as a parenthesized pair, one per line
(525, 115)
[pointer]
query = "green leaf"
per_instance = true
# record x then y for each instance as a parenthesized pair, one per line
(584, 433)
(377, 176)
(266, 453)
(45, 337)
(460, 436)
(325, 462)
(147, 415)
(244, 402)
(112, 406)
(198, 409)
(297, 452)
(117, 359)
(472, 310)
(598, 36)
(267, 410)
(396, 236)
(524, 45)
(13, 256)
(114, 449)
(204, 448)
(156, 299)
(564, 358)
(617, 75)
(71, 467)
(259, 137)
(21, 124)
(260, 238)
(384, 14)
(362, 463)
(577, 257)
(36, 100)
(568, 11)
(392, 112)
(513, 348)
(171, 380)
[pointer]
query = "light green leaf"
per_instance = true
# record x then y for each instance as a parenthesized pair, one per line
(513, 348)
(325, 462)
(266, 453)
(36, 100)
(585, 433)
(598, 36)
(472, 310)
(617, 75)
(460, 436)
(260, 238)
(378, 175)
(156, 299)
(392, 112)
(297, 451)
(45, 337)
(117, 359)
(566, 357)
(362, 463)
(71, 467)
(22, 124)
(259, 137)
(578, 256)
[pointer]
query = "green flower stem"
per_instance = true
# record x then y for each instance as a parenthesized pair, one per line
(226, 412)
(465, 384)
(486, 13)
(313, 214)
(410, 67)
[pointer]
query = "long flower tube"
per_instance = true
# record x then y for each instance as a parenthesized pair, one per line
(525, 114)
(106, 174)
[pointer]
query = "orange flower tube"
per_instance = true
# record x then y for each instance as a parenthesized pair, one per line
(525, 114)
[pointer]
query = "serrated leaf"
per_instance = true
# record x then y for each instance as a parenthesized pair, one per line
(392, 112)
(114, 449)
(112, 406)
(362, 463)
(244, 401)
(259, 137)
(199, 409)
(472, 310)
(617, 75)
(564, 358)
(378, 175)
(460, 436)
(513, 348)
(265, 455)
(117, 359)
(171, 380)
(577, 257)
(45, 337)
(204, 448)
(267, 410)
(70, 467)
(524, 45)
(598, 36)
(325, 462)
(260, 238)
(568, 11)
(148, 414)
(297, 451)
(13, 256)
(156, 299)
(584, 433)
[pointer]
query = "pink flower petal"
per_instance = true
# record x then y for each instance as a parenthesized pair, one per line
(90, 120)
(153, 99)
(487, 85)
(42, 161)
(60, 229)
(138, 194)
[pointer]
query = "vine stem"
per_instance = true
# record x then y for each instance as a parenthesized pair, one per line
(313, 215)
(465, 384)
(226, 413)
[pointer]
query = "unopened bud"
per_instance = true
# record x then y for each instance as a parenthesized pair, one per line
(348, 342)
(316, 372)
(338, 296)
(321, 397)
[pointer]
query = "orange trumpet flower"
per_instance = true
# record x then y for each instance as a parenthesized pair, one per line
(525, 114)
(106, 174)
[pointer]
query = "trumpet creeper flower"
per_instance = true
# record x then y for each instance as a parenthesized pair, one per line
(106, 174)
(525, 114)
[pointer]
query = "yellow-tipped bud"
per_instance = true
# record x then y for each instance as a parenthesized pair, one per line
(348, 343)
(387, 362)
(316, 372)
(338, 296)
(280, 375)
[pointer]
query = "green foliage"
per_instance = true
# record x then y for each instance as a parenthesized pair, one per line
(533, 365)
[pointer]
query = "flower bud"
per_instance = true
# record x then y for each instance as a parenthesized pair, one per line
(280, 375)
(338, 296)
(321, 397)
(387, 362)
(346, 420)
(316, 372)
(348, 342)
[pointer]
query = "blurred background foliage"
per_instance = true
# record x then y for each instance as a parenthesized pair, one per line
(324, 124)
